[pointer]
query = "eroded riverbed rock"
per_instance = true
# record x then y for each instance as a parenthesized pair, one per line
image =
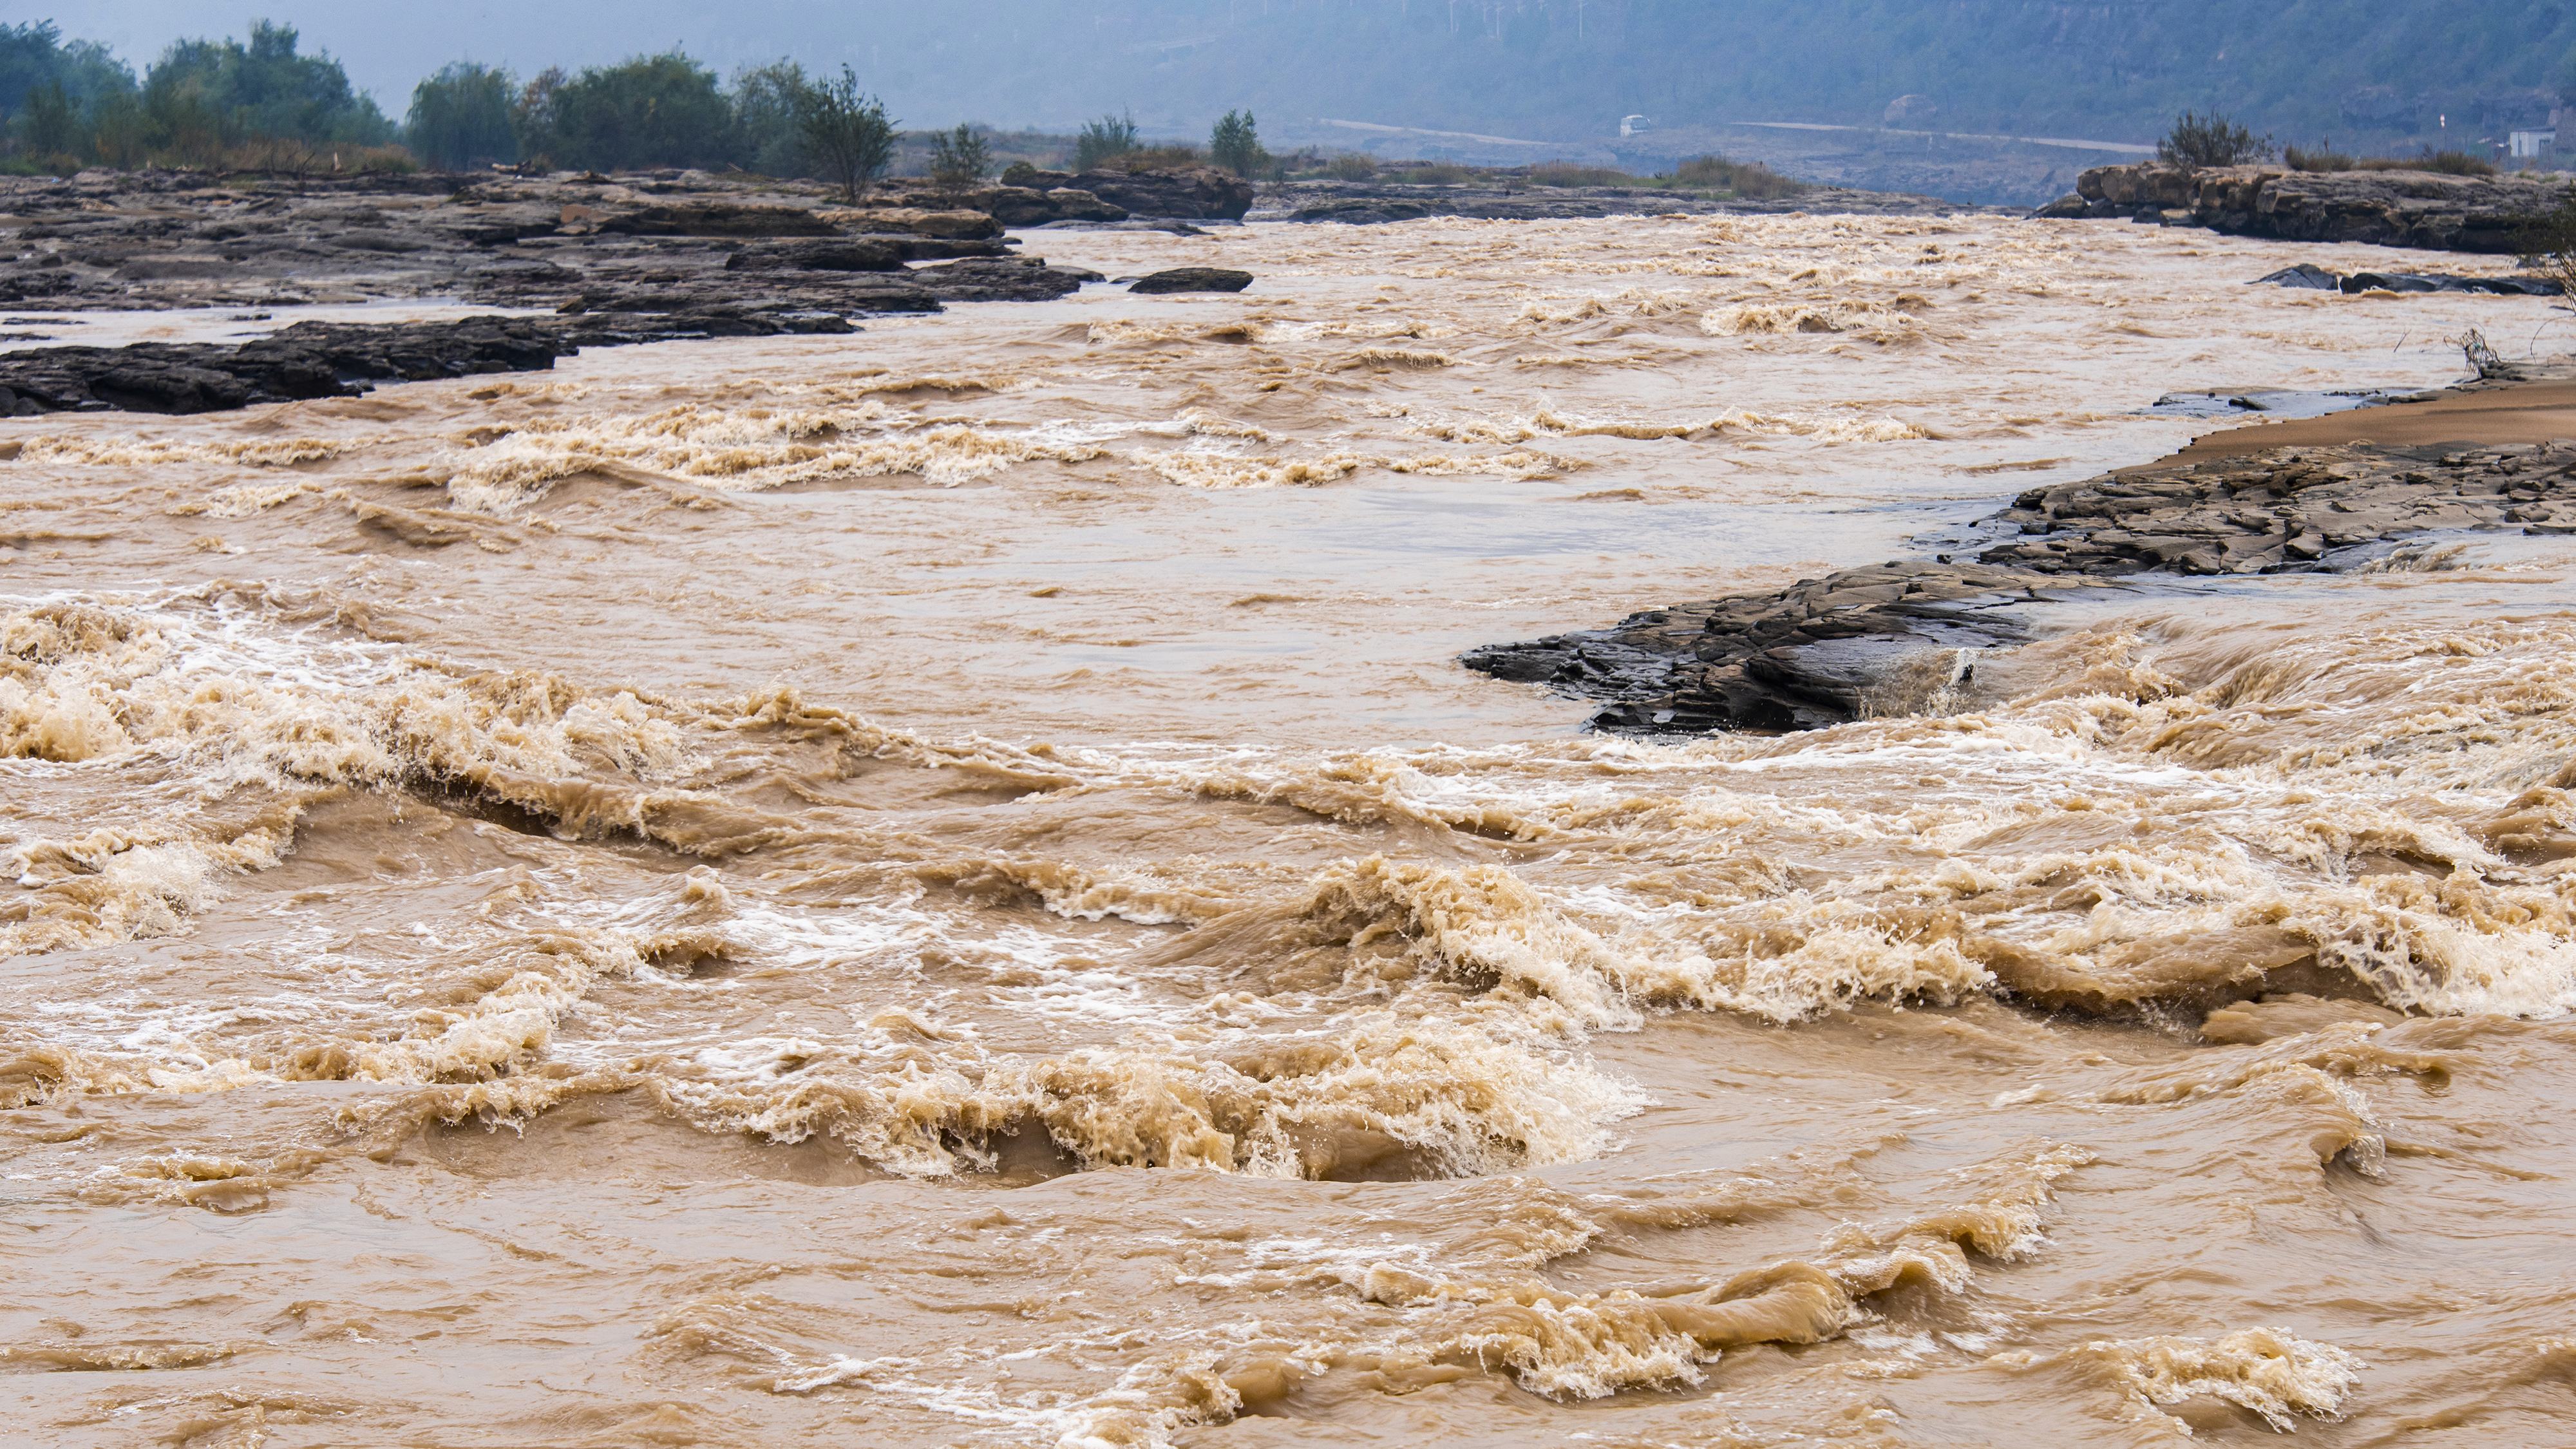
(857, 254)
(318, 359)
(1816, 653)
(706, 251)
(308, 360)
(1035, 198)
(641, 259)
(1190, 193)
(1894, 638)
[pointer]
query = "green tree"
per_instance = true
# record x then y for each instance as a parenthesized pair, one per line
(769, 105)
(50, 122)
(653, 110)
(1236, 145)
(120, 131)
(847, 133)
(207, 92)
(959, 158)
(460, 117)
(1102, 138)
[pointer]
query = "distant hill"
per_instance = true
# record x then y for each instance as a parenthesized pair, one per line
(2359, 71)
(2384, 75)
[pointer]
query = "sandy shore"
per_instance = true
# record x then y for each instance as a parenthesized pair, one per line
(2479, 415)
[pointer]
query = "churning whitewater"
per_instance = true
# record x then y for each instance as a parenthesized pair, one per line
(943, 887)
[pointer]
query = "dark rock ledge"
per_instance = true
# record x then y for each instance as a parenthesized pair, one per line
(307, 360)
(2428, 210)
(1893, 638)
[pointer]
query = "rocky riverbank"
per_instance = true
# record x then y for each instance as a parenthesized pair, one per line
(2428, 210)
(1896, 637)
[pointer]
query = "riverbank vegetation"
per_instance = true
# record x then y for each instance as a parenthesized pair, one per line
(205, 103)
(2326, 158)
(266, 105)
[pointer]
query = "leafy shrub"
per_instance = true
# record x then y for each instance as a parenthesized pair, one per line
(959, 158)
(2304, 158)
(1352, 166)
(1102, 139)
(1154, 158)
(1235, 144)
(2211, 140)
(1749, 179)
(380, 160)
(2453, 163)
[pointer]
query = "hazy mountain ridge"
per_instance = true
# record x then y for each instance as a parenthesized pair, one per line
(1558, 70)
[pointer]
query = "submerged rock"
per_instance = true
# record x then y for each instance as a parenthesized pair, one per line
(1192, 279)
(2306, 274)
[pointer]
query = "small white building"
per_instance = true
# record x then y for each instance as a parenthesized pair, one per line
(2530, 145)
(1634, 125)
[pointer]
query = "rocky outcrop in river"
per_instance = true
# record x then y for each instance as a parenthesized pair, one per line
(609, 262)
(2424, 209)
(1894, 637)
(307, 360)
(710, 256)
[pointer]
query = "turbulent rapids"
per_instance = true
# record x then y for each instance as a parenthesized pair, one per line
(943, 885)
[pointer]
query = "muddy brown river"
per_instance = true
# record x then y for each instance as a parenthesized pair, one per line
(942, 887)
